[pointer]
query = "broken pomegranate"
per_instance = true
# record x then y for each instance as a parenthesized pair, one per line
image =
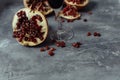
(40, 5)
(70, 13)
(26, 28)
(78, 3)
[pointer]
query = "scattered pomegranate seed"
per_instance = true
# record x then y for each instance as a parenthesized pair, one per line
(57, 44)
(89, 34)
(63, 44)
(60, 44)
(76, 44)
(47, 47)
(42, 49)
(51, 53)
(95, 34)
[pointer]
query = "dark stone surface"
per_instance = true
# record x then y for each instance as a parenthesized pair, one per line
(97, 59)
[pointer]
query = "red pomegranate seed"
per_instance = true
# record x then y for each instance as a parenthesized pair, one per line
(51, 53)
(63, 44)
(34, 40)
(89, 34)
(73, 44)
(42, 49)
(60, 44)
(47, 47)
(95, 34)
(20, 39)
(57, 44)
(76, 44)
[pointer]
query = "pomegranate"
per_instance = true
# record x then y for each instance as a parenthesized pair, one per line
(78, 3)
(29, 28)
(69, 13)
(40, 5)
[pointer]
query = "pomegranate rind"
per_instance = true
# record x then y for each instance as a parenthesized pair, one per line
(44, 12)
(79, 6)
(29, 14)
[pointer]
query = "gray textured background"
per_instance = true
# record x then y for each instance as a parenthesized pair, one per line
(97, 59)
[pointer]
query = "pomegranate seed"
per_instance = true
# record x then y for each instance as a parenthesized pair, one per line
(51, 53)
(95, 34)
(63, 44)
(42, 49)
(60, 44)
(89, 34)
(76, 44)
(20, 39)
(47, 47)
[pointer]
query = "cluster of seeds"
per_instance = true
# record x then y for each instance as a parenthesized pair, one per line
(96, 34)
(61, 44)
(28, 30)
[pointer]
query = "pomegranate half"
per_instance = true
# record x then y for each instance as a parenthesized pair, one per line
(69, 13)
(40, 5)
(29, 28)
(78, 3)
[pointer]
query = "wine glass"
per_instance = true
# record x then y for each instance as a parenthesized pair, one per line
(62, 33)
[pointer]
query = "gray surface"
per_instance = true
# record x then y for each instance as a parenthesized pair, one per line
(97, 59)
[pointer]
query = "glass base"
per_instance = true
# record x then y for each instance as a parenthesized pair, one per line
(65, 35)
(62, 34)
